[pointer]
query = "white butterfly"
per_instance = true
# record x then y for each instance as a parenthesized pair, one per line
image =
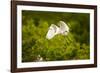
(54, 30)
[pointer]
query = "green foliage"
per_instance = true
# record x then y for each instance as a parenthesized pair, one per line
(74, 46)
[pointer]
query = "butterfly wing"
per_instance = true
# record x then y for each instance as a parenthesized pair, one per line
(52, 31)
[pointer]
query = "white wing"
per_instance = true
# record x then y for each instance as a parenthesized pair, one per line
(64, 29)
(52, 31)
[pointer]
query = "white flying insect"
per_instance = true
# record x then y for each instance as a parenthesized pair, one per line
(54, 30)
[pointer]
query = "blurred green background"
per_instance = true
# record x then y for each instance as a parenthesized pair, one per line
(35, 46)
